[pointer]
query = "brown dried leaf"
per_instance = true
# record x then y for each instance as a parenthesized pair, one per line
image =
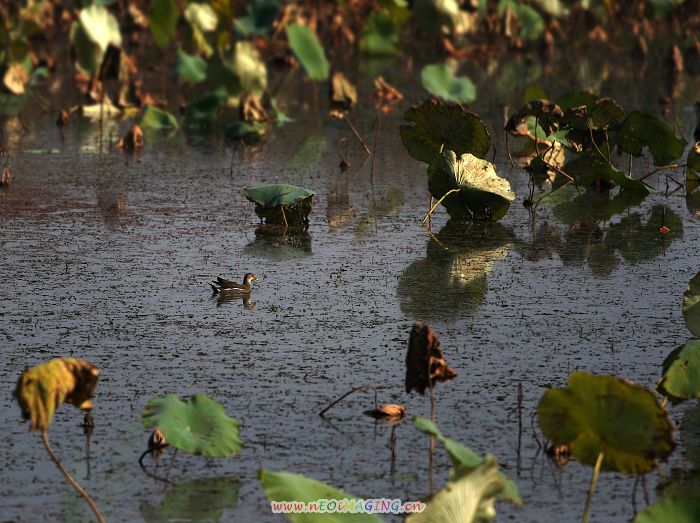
(132, 140)
(16, 77)
(41, 389)
(390, 411)
(252, 109)
(63, 118)
(386, 97)
(424, 360)
(343, 95)
(5, 179)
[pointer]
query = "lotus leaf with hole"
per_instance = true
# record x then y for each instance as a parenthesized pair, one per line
(199, 425)
(286, 486)
(480, 194)
(676, 509)
(468, 497)
(680, 379)
(441, 126)
(462, 456)
(281, 203)
(42, 389)
(691, 306)
(605, 414)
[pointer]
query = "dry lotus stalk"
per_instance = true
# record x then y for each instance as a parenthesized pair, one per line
(132, 140)
(42, 389)
(386, 97)
(424, 353)
(156, 444)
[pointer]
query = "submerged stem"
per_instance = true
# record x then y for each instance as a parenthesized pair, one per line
(594, 480)
(71, 480)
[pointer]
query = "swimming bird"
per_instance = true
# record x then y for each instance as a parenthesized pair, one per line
(222, 286)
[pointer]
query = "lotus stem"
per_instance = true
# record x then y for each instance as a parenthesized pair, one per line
(591, 489)
(284, 217)
(353, 390)
(669, 166)
(590, 130)
(357, 136)
(438, 203)
(71, 480)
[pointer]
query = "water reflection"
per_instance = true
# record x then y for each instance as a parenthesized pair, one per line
(223, 299)
(385, 207)
(279, 243)
(111, 201)
(451, 281)
(197, 500)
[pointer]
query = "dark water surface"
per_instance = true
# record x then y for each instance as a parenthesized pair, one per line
(108, 258)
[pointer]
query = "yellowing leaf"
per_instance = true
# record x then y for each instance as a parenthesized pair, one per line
(42, 389)
(16, 77)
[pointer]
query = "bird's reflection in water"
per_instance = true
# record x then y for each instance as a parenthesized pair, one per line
(223, 299)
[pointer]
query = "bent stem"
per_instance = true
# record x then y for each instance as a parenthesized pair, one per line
(357, 136)
(438, 203)
(71, 480)
(594, 480)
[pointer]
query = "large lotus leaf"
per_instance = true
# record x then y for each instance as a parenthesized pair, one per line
(676, 509)
(281, 203)
(483, 195)
(680, 379)
(155, 118)
(163, 15)
(463, 457)
(468, 497)
(443, 126)
(606, 414)
(286, 486)
(199, 425)
(691, 305)
(576, 99)
(640, 130)
(599, 116)
(197, 500)
(308, 51)
(440, 80)
(41, 389)
(587, 168)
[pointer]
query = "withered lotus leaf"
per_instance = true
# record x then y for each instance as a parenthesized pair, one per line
(42, 389)
(390, 411)
(424, 353)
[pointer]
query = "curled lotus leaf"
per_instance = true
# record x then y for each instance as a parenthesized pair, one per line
(480, 194)
(680, 380)
(595, 414)
(199, 425)
(639, 130)
(599, 116)
(548, 116)
(441, 126)
(41, 389)
(281, 203)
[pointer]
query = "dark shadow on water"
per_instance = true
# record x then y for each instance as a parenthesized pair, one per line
(273, 242)
(197, 500)
(451, 281)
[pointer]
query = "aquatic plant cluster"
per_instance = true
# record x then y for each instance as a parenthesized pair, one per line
(577, 149)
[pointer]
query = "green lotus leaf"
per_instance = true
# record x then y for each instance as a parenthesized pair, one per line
(644, 130)
(190, 68)
(259, 19)
(202, 499)
(678, 509)
(463, 457)
(576, 99)
(691, 305)
(440, 80)
(441, 126)
(286, 486)
(469, 496)
(42, 389)
(163, 15)
(308, 51)
(281, 203)
(680, 379)
(201, 17)
(598, 116)
(248, 132)
(595, 414)
(588, 168)
(198, 426)
(482, 194)
(380, 35)
(155, 118)
(543, 118)
(204, 111)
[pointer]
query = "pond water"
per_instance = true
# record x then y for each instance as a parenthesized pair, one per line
(108, 258)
